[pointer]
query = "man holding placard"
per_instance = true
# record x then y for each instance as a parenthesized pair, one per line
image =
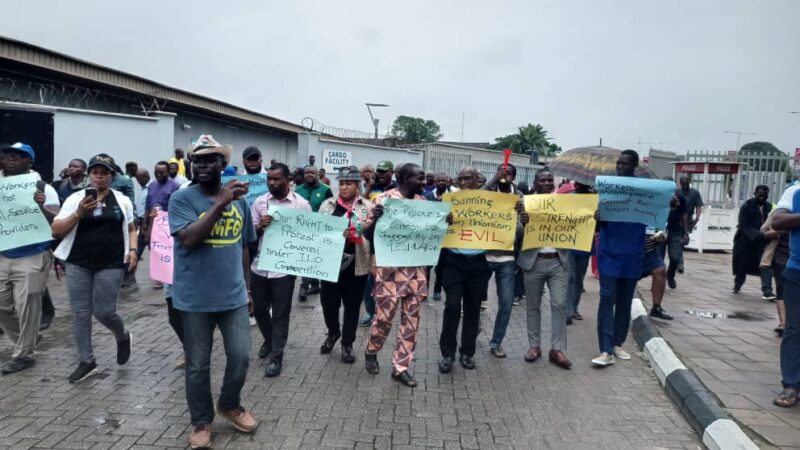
(315, 193)
(28, 206)
(272, 291)
(549, 265)
(464, 276)
(403, 287)
(619, 258)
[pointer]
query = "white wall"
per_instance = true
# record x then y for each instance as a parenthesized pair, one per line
(78, 134)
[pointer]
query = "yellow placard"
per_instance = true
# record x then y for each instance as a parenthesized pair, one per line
(560, 221)
(482, 220)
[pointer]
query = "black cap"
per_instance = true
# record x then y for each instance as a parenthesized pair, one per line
(104, 160)
(250, 151)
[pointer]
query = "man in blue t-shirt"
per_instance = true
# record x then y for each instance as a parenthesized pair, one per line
(619, 261)
(212, 227)
(787, 218)
(23, 270)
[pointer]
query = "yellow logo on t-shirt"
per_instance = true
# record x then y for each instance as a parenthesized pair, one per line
(228, 228)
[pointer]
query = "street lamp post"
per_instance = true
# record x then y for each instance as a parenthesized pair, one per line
(739, 136)
(375, 121)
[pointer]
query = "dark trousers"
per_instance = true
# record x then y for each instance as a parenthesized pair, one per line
(175, 319)
(274, 293)
(235, 329)
(766, 280)
(48, 309)
(674, 248)
(614, 311)
(348, 291)
(465, 280)
(790, 344)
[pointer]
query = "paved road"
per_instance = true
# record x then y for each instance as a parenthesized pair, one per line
(319, 402)
(728, 340)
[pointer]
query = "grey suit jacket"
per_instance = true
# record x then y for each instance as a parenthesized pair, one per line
(527, 258)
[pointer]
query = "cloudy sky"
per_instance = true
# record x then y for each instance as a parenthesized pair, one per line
(677, 73)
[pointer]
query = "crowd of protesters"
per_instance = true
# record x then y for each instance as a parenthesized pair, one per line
(101, 219)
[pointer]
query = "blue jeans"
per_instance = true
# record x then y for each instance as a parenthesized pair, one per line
(519, 283)
(790, 344)
(198, 329)
(579, 264)
(614, 311)
(504, 277)
(369, 300)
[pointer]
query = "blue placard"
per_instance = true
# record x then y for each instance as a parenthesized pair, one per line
(258, 185)
(637, 200)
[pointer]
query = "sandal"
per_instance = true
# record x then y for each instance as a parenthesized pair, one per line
(787, 398)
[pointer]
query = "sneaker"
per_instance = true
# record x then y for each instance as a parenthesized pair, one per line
(366, 320)
(253, 321)
(498, 352)
(671, 282)
(124, 349)
(769, 296)
(201, 436)
(604, 359)
(348, 356)
(240, 418)
(659, 313)
(330, 341)
(84, 371)
(621, 354)
(16, 365)
(516, 300)
(484, 305)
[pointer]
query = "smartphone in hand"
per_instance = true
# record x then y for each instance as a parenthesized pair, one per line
(91, 192)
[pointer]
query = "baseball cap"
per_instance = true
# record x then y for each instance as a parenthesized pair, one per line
(103, 160)
(349, 173)
(384, 166)
(250, 151)
(19, 147)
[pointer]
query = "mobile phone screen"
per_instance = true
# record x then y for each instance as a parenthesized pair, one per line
(91, 192)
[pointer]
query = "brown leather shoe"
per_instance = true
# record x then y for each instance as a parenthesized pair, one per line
(201, 436)
(558, 358)
(533, 354)
(240, 418)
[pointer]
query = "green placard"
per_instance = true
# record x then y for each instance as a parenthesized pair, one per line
(21, 221)
(410, 233)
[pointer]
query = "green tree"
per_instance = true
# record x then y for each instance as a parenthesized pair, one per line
(415, 130)
(763, 156)
(528, 137)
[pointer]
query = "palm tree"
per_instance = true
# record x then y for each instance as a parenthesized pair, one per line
(529, 137)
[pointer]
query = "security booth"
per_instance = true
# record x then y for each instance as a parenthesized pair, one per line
(719, 184)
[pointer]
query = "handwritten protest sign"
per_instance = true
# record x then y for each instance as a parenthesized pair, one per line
(21, 221)
(161, 258)
(560, 221)
(410, 233)
(637, 200)
(481, 220)
(303, 243)
(258, 185)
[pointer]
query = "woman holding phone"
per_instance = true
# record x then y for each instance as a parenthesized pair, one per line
(348, 290)
(99, 243)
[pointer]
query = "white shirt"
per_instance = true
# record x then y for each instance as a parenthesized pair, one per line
(181, 180)
(141, 198)
(71, 205)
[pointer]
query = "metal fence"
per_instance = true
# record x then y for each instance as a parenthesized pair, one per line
(769, 170)
(660, 162)
(449, 159)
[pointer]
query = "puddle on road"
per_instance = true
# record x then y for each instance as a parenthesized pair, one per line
(741, 315)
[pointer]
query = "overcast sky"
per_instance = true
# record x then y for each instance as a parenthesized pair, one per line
(678, 73)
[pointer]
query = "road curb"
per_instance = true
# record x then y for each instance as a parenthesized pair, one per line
(695, 401)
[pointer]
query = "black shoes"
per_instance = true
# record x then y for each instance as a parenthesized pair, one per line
(46, 321)
(264, 351)
(273, 369)
(124, 349)
(16, 365)
(303, 294)
(330, 341)
(84, 371)
(405, 378)
(671, 282)
(371, 364)
(659, 313)
(446, 364)
(467, 362)
(314, 290)
(347, 354)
